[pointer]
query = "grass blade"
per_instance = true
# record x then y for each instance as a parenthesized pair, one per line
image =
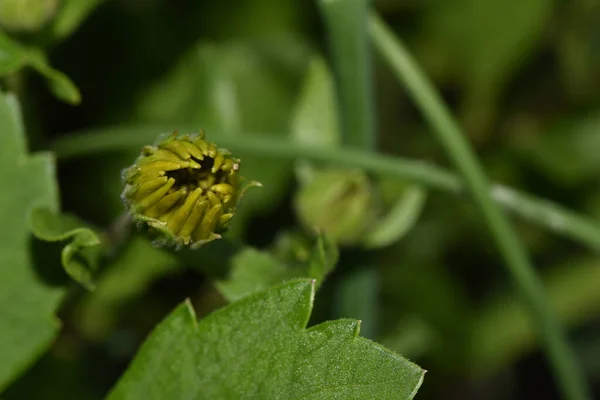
(346, 22)
(567, 372)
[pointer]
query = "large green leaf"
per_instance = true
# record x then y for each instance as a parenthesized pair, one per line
(27, 305)
(258, 348)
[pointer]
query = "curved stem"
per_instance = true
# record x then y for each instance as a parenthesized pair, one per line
(568, 375)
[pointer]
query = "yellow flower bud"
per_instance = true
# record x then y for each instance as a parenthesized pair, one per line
(185, 189)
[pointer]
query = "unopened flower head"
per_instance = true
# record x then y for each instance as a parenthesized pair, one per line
(341, 202)
(184, 188)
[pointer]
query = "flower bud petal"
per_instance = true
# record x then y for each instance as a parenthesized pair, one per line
(184, 188)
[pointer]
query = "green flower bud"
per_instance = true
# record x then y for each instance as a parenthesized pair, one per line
(340, 202)
(185, 189)
(26, 15)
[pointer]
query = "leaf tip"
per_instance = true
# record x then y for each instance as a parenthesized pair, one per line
(357, 327)
(187, 304)
(418, 384)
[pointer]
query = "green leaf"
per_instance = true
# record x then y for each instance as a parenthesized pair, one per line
(26, 15)
(14, 56)
(200, 89)
(81, 254)
(27, 305)
(254, 270)
(399, 220)
(258, 347)
(315, 119)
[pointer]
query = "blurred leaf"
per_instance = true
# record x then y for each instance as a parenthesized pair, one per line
(315, 120)
(227, 88)
(292, 246)
(256, 18)
(27, 304)
(26, 15)
(258, 347)
(81, 254)
(567, 152)
(254, 270)
(70, 15)
(126, 278)
(198, 90)
(399, 220)
(14, 56)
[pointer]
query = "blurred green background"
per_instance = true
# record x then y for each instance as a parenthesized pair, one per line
(522, 78)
